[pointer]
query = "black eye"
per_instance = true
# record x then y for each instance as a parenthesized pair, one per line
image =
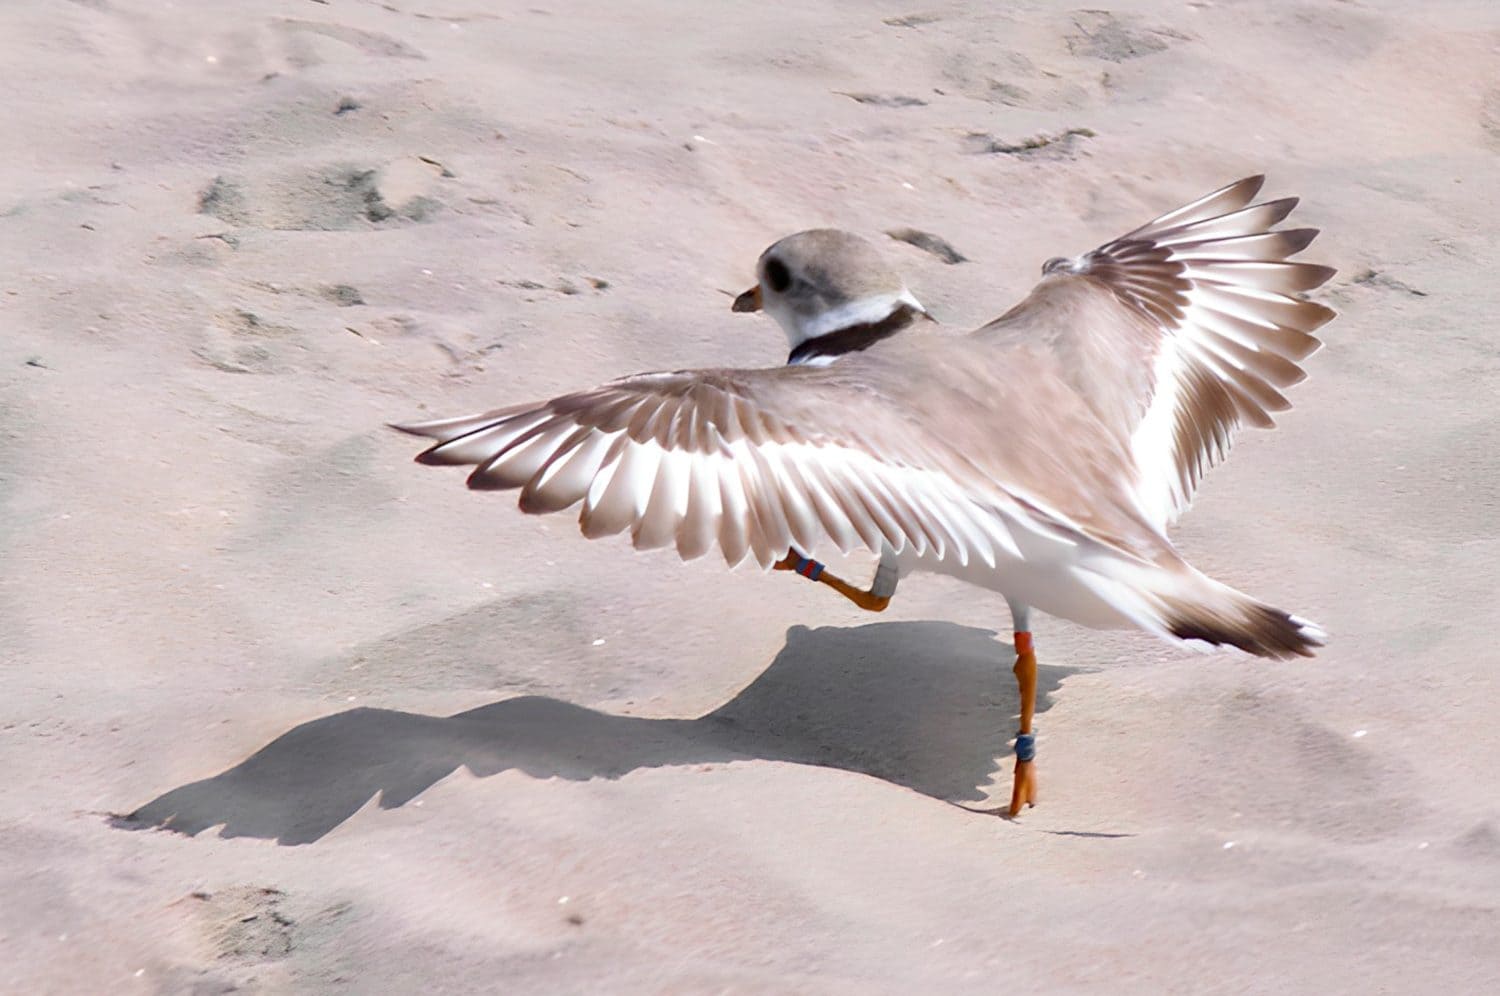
(777, 275)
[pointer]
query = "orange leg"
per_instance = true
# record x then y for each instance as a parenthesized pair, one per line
(814, 571)
(1023, 791)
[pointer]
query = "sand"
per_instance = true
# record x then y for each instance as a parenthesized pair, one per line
(410, 740)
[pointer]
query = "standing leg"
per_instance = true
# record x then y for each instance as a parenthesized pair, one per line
(1023, 790)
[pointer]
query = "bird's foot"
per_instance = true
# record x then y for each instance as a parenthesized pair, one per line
(1023, 787)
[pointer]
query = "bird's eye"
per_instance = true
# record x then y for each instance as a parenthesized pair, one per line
(777, 275)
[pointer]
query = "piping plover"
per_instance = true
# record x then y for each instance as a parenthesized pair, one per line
(1042, 456)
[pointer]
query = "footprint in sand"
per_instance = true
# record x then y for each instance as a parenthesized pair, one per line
(242, 341)
(332, 198)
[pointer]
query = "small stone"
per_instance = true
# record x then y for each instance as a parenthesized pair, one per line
(911, 20)
(344, 295)
(929, 243)
(884, 99)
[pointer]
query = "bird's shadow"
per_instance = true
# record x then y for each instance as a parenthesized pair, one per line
(927, 705)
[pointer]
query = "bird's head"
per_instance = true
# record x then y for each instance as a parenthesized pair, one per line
(825, 282)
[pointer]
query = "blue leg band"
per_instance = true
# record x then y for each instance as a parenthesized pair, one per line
(810, 569)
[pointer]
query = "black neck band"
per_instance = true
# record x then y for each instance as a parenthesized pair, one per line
(853, 338)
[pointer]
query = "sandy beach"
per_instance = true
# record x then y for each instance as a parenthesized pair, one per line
(284, 712)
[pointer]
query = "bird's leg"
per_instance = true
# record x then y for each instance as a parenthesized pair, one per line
(874, 600)
(1023, 789)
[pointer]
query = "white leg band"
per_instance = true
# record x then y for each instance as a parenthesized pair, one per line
(886, 575)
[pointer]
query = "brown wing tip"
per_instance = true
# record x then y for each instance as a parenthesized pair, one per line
(1297, 239)
(1281, 207)
(534, 502)
(1316, 319)
(1314, 275)
(480, 481)
(1251, 185)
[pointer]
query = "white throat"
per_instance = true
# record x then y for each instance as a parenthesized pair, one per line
(867, 310)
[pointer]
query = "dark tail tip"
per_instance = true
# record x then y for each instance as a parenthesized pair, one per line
(1260, 630)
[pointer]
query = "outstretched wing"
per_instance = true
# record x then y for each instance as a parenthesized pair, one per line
(733, 458)
(1192, 325)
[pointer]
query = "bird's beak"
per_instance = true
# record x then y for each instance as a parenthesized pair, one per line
(748, 301)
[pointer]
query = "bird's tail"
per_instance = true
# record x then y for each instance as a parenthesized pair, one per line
(1177, 601)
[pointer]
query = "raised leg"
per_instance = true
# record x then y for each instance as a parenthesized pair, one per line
(874, 600)
(1023, 789)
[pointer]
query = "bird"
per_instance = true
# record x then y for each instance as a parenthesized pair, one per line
(1042, 456)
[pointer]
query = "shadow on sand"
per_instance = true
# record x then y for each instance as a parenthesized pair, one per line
(927, 705)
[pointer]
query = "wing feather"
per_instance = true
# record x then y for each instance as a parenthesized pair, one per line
(734, 525)
(739, 460)
(1205, 299)
(700, 519)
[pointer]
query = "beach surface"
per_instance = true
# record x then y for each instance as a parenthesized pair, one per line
(283, 712)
